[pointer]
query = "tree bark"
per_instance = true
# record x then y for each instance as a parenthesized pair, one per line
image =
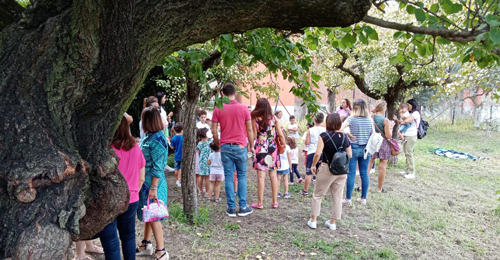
(189, 194)
(68, 71)
(332, 106)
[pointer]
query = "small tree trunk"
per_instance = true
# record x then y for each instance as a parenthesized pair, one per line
(331, 101)
(189, 194)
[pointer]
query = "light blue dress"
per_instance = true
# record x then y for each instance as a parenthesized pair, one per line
(155, 149)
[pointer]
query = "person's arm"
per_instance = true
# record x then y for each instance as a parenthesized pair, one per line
(292, 130)
(215, 129)
(344, 125)
(209, 162)
(250, 134)
(405, 121)
(319, 151)
(280, 132)
(142, 177)
(387, 128)
(348, 151)
(153, 190)
(157, 170)
(169, 142)
(308, 138)
(289, 154)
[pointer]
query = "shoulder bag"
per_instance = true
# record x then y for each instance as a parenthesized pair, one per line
(395, 148)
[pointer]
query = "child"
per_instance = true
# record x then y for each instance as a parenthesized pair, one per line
(305, 145)
(284, 169)
(202, 115)
(216, 172)
(403, 112)
(293, 128)
(294, 159)
(176, 145)
(203, 148)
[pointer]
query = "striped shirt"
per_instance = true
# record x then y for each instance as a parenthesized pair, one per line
(361, 128)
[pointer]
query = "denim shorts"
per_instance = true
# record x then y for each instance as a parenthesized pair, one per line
(178, 165)
(287, 171)
(309, 162)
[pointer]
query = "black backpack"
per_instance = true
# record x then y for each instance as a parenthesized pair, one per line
(422, 128)
(339, 164)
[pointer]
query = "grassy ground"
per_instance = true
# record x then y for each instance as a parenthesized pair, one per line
(448, 212)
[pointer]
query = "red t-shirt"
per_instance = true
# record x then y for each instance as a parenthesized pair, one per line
(130, 165)
(232, 122)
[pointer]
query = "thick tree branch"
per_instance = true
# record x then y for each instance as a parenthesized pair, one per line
(10, 12)
(466, 36)
(211, 60)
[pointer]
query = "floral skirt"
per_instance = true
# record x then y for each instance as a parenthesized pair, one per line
(385, 151)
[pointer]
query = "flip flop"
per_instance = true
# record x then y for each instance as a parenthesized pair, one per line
(275, 205)
(255, 206)
(382, 191)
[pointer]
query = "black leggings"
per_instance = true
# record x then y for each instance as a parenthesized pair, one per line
(296, 171)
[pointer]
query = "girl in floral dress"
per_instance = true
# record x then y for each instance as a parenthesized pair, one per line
(265, 128)
(203, 148)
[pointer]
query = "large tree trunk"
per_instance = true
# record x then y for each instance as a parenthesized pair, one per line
(189, 194)
(68, 71)
(332, 106)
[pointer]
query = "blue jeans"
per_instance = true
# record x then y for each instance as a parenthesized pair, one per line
(233, 156)
(404, 127)
(357, 158)
(125, 223)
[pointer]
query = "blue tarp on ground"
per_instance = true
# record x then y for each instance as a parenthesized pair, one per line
(455, 155)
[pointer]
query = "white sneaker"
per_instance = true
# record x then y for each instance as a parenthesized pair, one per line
(178, 183)
(168, 169)
(347, 202)
(403, 173)
(147, 251)
(362, 201)
(330, 226)
(372, 171)
(410, 176)
(311, 224)
(290, 183)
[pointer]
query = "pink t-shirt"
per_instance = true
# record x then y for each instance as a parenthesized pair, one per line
(131, 163)
(232, 122)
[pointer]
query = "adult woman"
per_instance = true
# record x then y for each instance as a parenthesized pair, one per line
(154, 148)
(410, 136)
(131, 165)
(345, 109)
(312, 138)
(266, 128)
(361, 127)
(325, 180)
(384, 154)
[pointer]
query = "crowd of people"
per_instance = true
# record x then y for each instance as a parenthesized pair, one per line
(232, 137)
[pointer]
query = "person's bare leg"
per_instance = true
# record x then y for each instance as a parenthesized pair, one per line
(279, 181)
(158, 233)
(80, 248)
(217, 189)
(382, 167)
(285, 182)
(198, 183)
(90, 247)
(211, 189)
(307, 182)
(207, 183)
(275, 185)
(332, 220)
(260, 186)
(371, 164)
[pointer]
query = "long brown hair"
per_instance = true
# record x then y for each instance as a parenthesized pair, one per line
(291, 142)
(348, 103)
(151, 120)
(123, 139)
(263, 110)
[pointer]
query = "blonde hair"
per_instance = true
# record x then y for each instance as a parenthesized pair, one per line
(380, 105)
(360, 109)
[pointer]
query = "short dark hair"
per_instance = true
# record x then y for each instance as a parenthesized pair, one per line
(319, 117)
(215, 147)
(202, 112)
(151, 120)
(151, 102)
(229, 89)
(178, 127)
(292, 117)
(414, 105)
(333, 122)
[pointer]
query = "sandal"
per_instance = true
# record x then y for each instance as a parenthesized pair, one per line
(275, 205)
(164, 256)
(148, 248)
(95, 250)
(382, 191)
(255, 206)
(358, 189)
(218, 200)
(85, 257)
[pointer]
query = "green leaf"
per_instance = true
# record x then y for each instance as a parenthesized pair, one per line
(493, 20)
(422, 50)
(315, 77)
(312, 46)
(393, 60)
(456, 54)
(284, 74)
(227, 37)
(397, 35)
(466, 58)
(477, 54)
(346, 29)
(410, 9)
(442, 40)
(412, 55)
(420, 15)
(363, 38)
(488, 44)
(374, 36)
(495, 35)
(226, 100)
(228, 61)
(483, 63)
(451, 8)
(434, 8)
